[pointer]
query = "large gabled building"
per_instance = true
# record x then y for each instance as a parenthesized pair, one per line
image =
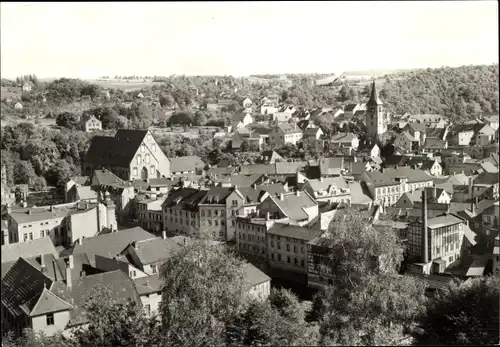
(130, 154)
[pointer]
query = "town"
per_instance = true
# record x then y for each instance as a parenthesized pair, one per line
(313, 209)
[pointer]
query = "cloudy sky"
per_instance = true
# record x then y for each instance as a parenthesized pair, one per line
(94, 39)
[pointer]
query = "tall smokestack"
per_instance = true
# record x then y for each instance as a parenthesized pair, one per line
(425, 234)
(470, 187)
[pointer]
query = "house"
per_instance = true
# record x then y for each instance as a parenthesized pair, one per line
(149, 255)
(387, 185)
(284, 134)
(299, 207)
(218, 211)
(332, 189)
(429, 120)
(270, 157)
(406, 142)
(487, 182)
(287, 245)
(330, 167)
(90, 123)
(63, 224)
(484, 135)
(462, 134)
(268, 109)
(181, 211)
(418, 132)
(434, 195)
(18, 106)
(432, 166)
(33, 298)
(243, 118)
(246, 103)
(492, 121)
(186, 165)
(351, 109)
(259, 284)
(312, 133)
(345, 141)
(253, 140)
(149, 289)
(149, 211)
(281, 117)
(27, 250)
(130, 154)
(140, 96)
(434, 145)
(27, 87)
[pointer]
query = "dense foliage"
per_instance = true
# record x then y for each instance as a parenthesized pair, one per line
(458, 93)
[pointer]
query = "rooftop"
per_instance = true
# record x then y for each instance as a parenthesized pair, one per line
(293, 231)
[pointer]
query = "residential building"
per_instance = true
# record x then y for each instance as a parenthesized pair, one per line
(417, 131)
(130, 154)
(351, 109)
(376, 123)
(287, 250)
(429, 120)
(245, 118)
(181, 211)
(218, 211)
(186, 165)
(333, 190)
(299, 207)
(246, 103)
(410, 200)
(313, 133)
(259, 284)
(406, 142)
(27, 250)
(284, 134)
(484, 136)
(387, 185)
(268, 109)
(149, 255)
(149, 289)
(18, 106)
(492, 121)
(344, 140)
(26, 87)
(270, 157)
(90, 123)
(149, 211)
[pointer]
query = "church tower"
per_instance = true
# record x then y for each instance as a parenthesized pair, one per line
(375, 118)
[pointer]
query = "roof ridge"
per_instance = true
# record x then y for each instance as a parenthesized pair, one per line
(49, 292)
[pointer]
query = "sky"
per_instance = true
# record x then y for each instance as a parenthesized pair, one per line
(88, 40)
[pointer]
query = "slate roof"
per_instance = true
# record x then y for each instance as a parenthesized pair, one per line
(293, 205)
(331, 166)
(359, 194)
(148, 285)
(111, 245)
(36, 214)
(154, 250)
(253, 275)
(289, 167)
(117, 282)
(82, 180)
(257, 169)
(30, 249)
(293, 231)
(350, 107)
(47, 302)
(488, 178)
(270, 155)
(217, 195)
(414, 126)
(311, 131)
(389, 176)
(105, 177)
(21, 284)
(115, 151)
(188, 163)
(240, 180)
(178, 196)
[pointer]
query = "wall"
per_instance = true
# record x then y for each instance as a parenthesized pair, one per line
(153, 300)
(261, 291)
(83, 224)
(61, 319)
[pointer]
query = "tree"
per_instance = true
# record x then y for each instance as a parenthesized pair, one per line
(60, 173)
(199, 118)
(166, 100)
(30, 338)
(116, 323)
(68, 120)
(464, 314)
(369, 302)
(204, 290)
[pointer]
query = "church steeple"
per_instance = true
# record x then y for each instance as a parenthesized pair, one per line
(374, 99)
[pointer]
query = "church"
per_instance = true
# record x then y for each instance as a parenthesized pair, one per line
(376, 119)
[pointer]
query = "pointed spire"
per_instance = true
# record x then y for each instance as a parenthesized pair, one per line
(374, 99)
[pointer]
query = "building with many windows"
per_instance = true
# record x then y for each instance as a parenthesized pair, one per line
(181, 213)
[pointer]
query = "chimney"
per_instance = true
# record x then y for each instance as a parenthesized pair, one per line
(71, 262)
(435, 193)
(425, 241)
(83, 273)
(69, 281)
(164, 234)
(9, 208)
(25, 204)
(147, 283)
(297, 193)
(282, 197)
(321, 179)
(29, 212)
(51, 208)
(43, 267)
(268, 216)
(6, 237)
(470, 187)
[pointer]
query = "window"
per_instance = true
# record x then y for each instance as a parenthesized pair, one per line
(288, 247)
(139, 160)
(143, 148)
(132, 273)
(216, 223)
(210, 223)
(272, 244)
(31, 236)
(42, 233)
(295, 249)
(147, 159)
(152, 168)
(221, 222)
(279, 257)
(272, 256)
(25, 237)
(302, 263)
(153, 147)
(235, 203)
(221, 234)
(50, 319)
(202, 213)
(301, 249)
(153, 268)
(209, 213)
(148, 309)
(295, 262)
(149, 137)
(288, 259)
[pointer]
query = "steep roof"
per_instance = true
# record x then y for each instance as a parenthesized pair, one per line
(343, 137)
(33, 248)
(115, 151)
(287, 128)
(350, 107)
(374, 99)
(293, 206)
(325, 183)
(45, 303)
(217, 195)
(110, 245)
(188, 163)
(154, 250)
(311, 131)
(254, 276)
(20, 285)
(149, 284)
(487, 178)
(104, 177)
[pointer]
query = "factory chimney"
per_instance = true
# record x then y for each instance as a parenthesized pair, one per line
(425, 233)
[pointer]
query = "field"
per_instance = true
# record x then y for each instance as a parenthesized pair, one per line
(128, 85)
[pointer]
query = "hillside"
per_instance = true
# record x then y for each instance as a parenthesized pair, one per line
(458, 93)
